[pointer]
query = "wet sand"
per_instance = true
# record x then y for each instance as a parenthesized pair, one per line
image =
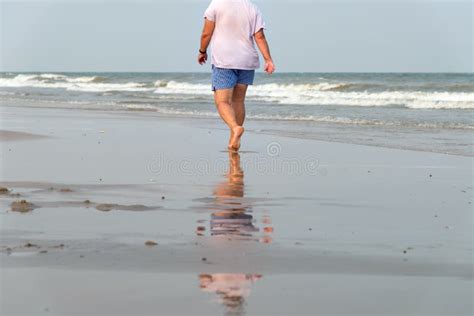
(15, 136)
(139, 214)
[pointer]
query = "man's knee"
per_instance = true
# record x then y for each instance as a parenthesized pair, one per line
(221, 103)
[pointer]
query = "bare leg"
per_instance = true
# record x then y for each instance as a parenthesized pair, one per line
(238, 103)
(223, 99)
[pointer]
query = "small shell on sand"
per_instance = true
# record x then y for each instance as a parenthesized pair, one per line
(22, 206)
(151, 243)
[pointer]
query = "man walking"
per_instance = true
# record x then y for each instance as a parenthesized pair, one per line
(233, 26)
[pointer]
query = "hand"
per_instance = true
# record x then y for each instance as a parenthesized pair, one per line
(269, 67)
(202, 58)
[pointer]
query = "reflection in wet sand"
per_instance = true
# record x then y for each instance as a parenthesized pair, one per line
(231, 289)
(232, 213)
(232, 218)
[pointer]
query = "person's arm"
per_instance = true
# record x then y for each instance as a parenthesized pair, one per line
(262, 44)
(205, 40)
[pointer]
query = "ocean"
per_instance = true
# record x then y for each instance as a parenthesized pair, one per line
(427, 112)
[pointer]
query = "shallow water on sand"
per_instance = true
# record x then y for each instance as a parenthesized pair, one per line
(127, 222)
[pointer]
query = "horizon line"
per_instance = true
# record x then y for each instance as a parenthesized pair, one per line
(257, 72)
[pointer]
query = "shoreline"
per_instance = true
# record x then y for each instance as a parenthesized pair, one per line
(254, 125)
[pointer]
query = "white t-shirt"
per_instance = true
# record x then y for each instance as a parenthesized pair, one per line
(232, 43)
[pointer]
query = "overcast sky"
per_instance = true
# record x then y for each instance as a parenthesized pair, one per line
(304, 35)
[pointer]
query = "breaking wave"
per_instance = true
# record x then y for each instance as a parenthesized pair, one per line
(332, 94)
(328, 93)
(85, 84)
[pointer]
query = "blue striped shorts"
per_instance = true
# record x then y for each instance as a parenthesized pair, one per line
(228, 78)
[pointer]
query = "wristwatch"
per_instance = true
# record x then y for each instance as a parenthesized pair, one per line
(204, 52)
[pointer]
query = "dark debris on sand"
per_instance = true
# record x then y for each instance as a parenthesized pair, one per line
(22, 206)
(30, 245)
(4, 190)
(107, 207)
(62, 190)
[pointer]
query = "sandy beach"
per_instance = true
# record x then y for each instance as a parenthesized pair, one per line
(136, 213)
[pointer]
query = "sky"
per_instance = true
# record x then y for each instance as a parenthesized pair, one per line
(304, 35)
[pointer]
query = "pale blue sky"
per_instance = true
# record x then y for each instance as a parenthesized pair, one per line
(305, 36)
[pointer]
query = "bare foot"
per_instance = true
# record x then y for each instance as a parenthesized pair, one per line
(236, 134)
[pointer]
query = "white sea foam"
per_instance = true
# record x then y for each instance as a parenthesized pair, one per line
(84, 79)
(85, 84)
(346, 120)
(34, 77)
(52, 76)
(173, 87)
(184, 110)
(409, 99)
(306, 118)
(105, 87)
(323, 94)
